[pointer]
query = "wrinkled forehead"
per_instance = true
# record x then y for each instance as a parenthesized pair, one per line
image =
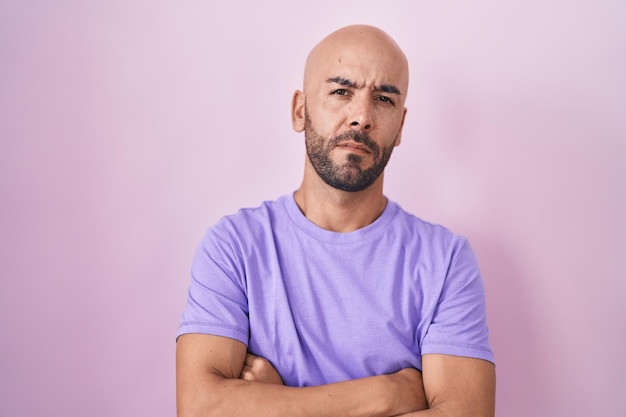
(365, 65)
(370, 58)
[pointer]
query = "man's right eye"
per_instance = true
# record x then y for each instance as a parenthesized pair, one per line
(341, 92)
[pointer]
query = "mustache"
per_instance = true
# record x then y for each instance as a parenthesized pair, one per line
(358, 137)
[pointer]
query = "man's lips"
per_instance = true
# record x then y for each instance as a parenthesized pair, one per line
(354, 146)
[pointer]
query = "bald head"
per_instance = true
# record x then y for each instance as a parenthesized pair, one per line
(357, 47)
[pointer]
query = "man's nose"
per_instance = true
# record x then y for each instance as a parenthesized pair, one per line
(361, 115)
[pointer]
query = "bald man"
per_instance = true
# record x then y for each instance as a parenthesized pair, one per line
(332, 300)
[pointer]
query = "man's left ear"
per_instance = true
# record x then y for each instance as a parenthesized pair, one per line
(399, 135)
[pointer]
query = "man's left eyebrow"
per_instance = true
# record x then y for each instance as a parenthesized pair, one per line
(388, 88)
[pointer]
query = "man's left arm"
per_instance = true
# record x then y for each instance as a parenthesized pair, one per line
(458, 373)
(458, 386)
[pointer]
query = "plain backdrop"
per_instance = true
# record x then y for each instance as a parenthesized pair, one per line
(129, 127)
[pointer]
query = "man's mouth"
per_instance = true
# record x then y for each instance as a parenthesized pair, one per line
(354, 146)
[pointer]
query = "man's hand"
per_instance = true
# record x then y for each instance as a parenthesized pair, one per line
(258, 369)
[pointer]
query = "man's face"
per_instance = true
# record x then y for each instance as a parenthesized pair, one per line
(352, 109)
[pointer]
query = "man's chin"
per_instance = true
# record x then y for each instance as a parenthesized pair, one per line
(348, 179)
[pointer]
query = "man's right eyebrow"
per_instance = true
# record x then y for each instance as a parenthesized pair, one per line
(342, 81)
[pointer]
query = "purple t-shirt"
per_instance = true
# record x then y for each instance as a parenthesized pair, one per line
(323, 306)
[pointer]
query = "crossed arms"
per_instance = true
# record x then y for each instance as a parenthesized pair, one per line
(214, 379)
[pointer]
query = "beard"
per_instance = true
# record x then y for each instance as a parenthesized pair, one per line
(349, 175)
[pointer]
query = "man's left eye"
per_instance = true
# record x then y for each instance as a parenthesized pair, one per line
(385, 99)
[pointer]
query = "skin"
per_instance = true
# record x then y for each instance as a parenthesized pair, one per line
(355, 85)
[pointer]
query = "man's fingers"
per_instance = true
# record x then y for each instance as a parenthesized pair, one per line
(247, 375)
(258, 369)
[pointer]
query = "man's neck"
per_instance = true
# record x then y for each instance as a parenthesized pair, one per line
(340, 211)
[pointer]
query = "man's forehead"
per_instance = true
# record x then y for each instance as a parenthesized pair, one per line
(361, 55)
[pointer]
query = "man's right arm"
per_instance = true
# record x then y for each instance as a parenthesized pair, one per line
(208, 384)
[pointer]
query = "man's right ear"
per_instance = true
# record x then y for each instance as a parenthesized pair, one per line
(298, 111)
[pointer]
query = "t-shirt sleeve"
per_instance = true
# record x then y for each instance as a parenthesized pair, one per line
(459, 324)
(216, 301)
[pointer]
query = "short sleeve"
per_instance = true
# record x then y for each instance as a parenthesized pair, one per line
(217, 302)
(459, 324)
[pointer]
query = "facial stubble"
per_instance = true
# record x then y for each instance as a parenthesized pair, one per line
(349, 175)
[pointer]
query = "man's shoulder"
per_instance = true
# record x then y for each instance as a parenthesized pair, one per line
(249, 220)
(260, 212)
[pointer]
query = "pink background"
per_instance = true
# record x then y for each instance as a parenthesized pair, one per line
(128, 127)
